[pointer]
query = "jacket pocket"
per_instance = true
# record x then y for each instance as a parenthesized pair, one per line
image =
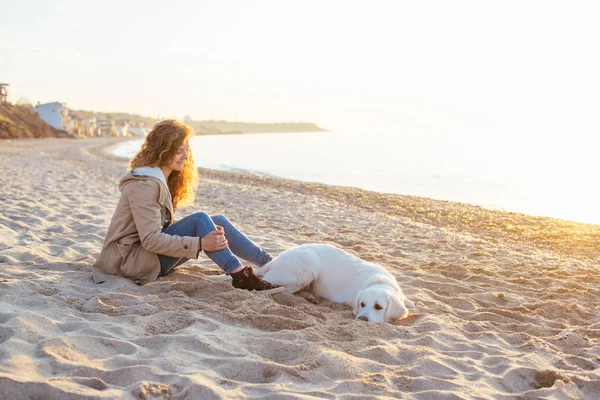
(124, 245)
(124, 249)
(110, 260)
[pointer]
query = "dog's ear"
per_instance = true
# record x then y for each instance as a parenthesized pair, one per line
(374, 280)
(395, 308)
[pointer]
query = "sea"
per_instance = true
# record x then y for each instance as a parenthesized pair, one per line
(530, 178)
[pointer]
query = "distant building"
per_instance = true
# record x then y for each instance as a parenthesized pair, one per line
(89, 127)
(105, 127)
(137, 131)
(3, 93)
(76, 125)
(54, 114)
(122, 129)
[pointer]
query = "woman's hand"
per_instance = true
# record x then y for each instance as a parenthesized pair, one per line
(214, 241)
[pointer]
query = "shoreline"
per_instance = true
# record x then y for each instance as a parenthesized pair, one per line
(106, 149)
(550, 233)
(516, 198)
(498, 315)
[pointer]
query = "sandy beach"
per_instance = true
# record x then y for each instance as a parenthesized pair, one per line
(507, 305)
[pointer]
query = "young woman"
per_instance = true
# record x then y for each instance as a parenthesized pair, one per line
(142, 242)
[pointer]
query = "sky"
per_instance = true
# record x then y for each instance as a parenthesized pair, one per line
(524, 71)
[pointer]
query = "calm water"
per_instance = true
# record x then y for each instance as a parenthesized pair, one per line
(520, 177)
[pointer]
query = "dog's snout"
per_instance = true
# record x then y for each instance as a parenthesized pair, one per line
(363, 318)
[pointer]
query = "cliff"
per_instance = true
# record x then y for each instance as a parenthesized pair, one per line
(19, 121)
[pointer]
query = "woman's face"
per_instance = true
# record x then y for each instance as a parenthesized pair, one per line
(181, 154)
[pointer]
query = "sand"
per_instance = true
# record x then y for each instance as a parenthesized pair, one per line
(507, 305)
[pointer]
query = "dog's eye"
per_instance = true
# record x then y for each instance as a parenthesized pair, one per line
(362, 304)
(378, 307)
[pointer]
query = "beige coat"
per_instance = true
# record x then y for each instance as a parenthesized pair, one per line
(135, 238)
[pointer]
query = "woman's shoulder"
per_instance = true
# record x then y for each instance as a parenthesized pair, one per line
(145, 188)
(141, 183)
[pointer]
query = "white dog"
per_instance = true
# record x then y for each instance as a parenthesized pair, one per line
(337, 275)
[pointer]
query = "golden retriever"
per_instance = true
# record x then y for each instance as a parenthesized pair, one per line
(334, 274)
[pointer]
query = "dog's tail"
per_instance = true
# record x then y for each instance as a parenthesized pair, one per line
(261, 271)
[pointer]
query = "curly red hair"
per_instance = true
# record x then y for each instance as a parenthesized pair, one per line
(159, 148)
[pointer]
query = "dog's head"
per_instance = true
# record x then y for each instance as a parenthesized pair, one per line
(380, 304)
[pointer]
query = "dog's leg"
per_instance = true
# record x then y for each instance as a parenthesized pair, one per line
(309, 296)
(293, 279)
(271, 292)
(294, 272)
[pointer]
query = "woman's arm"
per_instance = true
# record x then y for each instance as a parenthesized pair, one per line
(145, 208)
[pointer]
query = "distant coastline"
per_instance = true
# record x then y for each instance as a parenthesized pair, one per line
(205, 127)
(22, 121)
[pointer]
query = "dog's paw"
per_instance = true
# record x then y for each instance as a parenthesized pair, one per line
(309, 296)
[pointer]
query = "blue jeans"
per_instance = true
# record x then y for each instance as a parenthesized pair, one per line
(200, 224)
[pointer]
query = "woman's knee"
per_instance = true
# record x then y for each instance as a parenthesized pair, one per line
(203, 224)
(202, 219)
(201, 216)
(220, 220)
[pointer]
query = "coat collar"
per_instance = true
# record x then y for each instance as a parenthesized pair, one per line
(164, 197)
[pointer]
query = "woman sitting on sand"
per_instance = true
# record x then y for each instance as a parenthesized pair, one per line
(143, 243)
